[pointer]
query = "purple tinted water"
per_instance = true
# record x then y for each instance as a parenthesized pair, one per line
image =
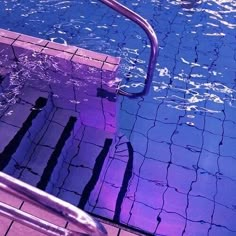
(172, 170)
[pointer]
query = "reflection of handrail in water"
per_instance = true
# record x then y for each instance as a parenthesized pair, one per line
(152, 37)
(70, 213)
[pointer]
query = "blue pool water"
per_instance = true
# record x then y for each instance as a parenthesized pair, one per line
(176, 173)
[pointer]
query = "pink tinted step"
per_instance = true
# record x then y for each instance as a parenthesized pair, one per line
(6, 40)
(62, 47)
(56, 53)
(111, 230)
(87, 61)
(4, 225)
(9, 34)
(42, 213)
(10, 199)
(90, 54)
(126, 233)
(109, 67)
(79, 55)
(73, 227)
(113, 60)
(21, 230)
(29, 46)
(30, 39)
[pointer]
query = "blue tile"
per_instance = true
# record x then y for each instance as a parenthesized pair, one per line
(180, 178)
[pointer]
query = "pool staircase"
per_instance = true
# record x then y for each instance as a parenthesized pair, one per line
(60, 120)
(58, 133)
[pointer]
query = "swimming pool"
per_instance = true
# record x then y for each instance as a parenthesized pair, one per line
(172, 170)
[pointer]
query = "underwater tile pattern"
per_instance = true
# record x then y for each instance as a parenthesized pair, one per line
(170, 169)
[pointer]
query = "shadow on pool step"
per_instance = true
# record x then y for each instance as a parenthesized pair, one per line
(11, 147)
(56, 153)
(38, 144)
(68, 147)
(53, 150)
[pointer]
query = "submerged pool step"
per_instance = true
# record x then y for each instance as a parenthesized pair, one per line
(90, 166)
(44, 141)
(81, 161)
(25, 139)
(52, 162)
(40, 146)
(16, 118)
(11, 147)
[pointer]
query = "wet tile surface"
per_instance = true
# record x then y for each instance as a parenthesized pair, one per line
(170, 170)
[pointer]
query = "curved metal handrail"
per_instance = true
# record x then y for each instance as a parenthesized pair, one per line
(85, 223)
(152, 37)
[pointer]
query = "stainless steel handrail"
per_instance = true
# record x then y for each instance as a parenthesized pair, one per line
(152, 37)
(82, 220)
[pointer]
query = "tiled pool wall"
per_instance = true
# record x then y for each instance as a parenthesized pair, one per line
(172, 171)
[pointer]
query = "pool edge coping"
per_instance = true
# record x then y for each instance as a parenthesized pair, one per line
(67, 52)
